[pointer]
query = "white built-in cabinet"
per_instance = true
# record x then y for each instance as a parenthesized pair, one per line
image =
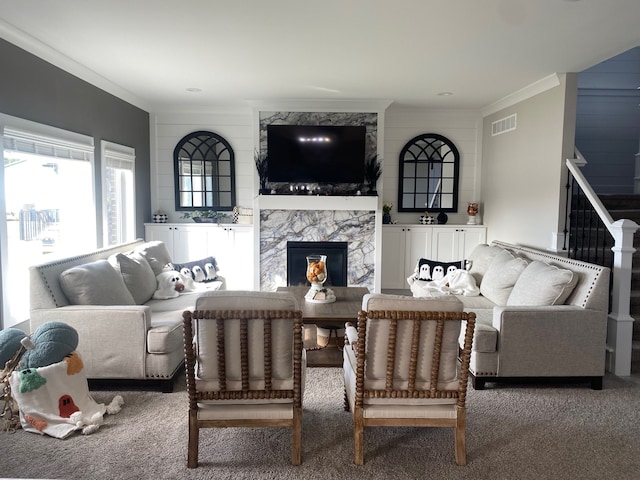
(231, 245)
(403, 245)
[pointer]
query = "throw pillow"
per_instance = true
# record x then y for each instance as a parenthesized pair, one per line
(137, 274)
(480, 258)
(501, 276)
(95, 283)
(542, 284)
(203, 270)
(434, 269)
(157, 254)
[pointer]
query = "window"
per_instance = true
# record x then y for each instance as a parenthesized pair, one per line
(47, 208)
(118, 193)
(428, 180)
(204, 173)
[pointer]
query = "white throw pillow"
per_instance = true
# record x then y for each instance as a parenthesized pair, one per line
(501, 276)
(542, 284)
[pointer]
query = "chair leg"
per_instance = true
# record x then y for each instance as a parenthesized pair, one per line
(358, 437)
(460, 442)
(296, 440)
(346, 401)
(194, 437)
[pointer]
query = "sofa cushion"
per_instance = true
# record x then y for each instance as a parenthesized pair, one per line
(165, 334)
(480, 259)
(542, 284)
(95, 283)
(137, 275)
(157, 254)
(501, 276)
(485, 336)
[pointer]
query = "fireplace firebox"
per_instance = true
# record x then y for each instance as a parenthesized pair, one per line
(336, 253)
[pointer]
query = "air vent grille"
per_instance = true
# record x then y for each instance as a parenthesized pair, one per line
(503, 125)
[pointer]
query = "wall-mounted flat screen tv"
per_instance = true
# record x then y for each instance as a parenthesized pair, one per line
(316, 154)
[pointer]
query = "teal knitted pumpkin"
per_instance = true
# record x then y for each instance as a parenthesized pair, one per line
(9, 344)
(52, 341)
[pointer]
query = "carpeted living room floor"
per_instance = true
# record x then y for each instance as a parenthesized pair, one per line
(540, 431)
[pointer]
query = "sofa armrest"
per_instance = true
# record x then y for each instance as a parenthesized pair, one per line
(112, 340)
(559, 340)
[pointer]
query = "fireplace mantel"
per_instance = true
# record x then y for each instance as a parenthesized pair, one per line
(317, 202)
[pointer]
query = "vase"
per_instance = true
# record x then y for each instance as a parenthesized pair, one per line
(386, 218)
(442, 218)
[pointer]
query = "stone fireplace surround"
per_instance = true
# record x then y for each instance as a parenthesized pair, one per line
(309, 218)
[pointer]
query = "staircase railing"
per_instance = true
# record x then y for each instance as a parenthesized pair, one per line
(607, 236)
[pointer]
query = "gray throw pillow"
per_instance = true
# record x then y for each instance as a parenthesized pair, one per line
(501, 276)
(157, 254)
(95, 283)
(137, 275)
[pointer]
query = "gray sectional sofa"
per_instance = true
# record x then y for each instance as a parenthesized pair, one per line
(125, 335)
(539, 315)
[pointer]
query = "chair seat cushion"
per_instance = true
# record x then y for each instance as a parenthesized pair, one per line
(244, 411)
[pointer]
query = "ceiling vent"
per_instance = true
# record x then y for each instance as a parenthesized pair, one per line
(503, 125)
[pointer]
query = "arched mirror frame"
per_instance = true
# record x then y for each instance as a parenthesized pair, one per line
(429, 172)
(204, 173)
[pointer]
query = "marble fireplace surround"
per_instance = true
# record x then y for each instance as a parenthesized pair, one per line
(350, 219)
(317, 219)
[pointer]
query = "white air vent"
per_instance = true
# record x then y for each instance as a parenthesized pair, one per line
(503, 125)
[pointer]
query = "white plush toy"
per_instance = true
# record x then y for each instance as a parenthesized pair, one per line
(171, 284)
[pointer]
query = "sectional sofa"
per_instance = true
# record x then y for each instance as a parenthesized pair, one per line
(539, 315)
(125, 335)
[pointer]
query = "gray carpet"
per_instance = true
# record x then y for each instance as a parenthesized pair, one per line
(514, 432)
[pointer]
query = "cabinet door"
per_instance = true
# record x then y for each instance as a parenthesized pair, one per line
(444, 245)
(162, 233)
(239, 258)
(451, 244)
(470, 238)
(190, 243)
(393, 257)
(417, 246)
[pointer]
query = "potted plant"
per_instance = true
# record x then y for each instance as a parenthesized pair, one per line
(386, 212)
(204, 216)
(262, 165)
(372, 172)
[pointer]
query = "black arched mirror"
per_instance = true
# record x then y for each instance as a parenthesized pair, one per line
(204, 173)
(429, 166)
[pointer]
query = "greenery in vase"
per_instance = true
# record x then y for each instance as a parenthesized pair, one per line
(386, 208)
(372, 170)
(213, 215)
(262, 165)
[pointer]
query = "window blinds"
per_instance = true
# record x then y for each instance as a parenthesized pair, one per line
(38, 144)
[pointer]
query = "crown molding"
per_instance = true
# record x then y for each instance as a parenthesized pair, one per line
(43, 51)
(542, 85)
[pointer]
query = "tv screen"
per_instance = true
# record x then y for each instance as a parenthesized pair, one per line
(316, 154)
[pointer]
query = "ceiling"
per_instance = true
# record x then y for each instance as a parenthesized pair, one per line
(166, 54)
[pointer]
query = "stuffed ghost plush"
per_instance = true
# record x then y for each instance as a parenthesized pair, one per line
(171, 284)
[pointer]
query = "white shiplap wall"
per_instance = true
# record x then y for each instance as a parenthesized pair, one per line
(462, 127)
(236, 126)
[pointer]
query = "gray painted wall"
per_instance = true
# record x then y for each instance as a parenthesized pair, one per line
(524, 172)
(35, 90)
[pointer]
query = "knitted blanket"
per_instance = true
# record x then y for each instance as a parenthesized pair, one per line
(55, 399)
(457, 282)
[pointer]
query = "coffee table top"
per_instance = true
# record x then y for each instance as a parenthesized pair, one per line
(346, 307)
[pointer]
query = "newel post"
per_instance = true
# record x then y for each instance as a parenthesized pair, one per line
(620, 322)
